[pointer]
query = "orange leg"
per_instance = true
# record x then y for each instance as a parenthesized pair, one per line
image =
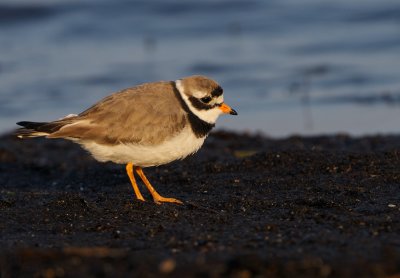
(158, 199)
(129, 171)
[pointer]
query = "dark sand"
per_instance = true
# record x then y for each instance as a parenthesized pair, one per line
(299, 207)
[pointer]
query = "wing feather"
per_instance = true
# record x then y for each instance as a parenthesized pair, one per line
(147, 114)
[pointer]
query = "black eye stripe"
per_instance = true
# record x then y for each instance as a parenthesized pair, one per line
(206, 99)
(198, 104)
(201, 105)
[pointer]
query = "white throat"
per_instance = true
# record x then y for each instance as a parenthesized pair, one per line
(210, 116)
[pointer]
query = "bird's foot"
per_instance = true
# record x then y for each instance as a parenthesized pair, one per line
(140, 198)
(159, 200)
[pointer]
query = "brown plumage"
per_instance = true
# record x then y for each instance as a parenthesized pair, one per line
(147, 114)
(143, 126)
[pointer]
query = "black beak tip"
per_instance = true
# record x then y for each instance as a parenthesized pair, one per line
(233, 112)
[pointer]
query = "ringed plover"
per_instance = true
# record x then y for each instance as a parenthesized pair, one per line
(143, 126)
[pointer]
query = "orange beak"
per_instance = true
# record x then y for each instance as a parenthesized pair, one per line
(227, 109)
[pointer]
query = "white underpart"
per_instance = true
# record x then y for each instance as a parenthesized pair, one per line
(179, 147)
(210, 115)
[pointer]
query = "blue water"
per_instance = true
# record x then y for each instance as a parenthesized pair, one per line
(287, 66)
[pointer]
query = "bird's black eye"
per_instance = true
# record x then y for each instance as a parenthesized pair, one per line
(206, 99)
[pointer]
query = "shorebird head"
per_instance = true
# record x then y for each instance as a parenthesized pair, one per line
(204, 97)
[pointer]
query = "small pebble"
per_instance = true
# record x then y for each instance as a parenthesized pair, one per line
(167, 266)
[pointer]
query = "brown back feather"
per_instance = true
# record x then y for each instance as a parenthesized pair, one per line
(147, 114)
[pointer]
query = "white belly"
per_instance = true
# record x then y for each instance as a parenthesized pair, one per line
(178, 147)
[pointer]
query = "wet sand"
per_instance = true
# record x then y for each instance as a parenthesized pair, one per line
(253, 206)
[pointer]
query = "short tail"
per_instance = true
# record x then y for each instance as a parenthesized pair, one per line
(38, 129)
